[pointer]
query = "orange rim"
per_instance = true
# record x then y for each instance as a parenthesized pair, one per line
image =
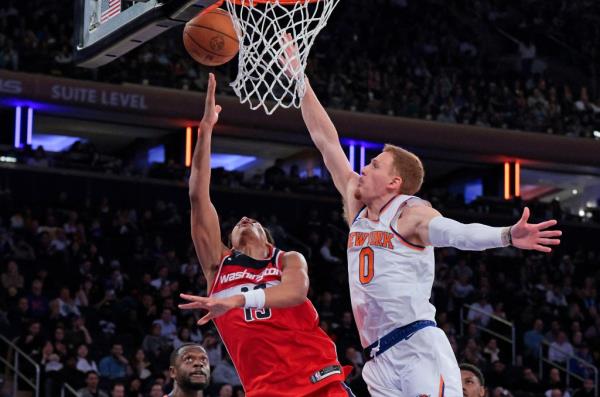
(284, 2)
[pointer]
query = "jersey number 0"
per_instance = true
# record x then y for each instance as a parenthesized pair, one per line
(366, 265)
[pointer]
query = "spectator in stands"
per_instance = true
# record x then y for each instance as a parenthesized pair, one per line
(529, 384)
(118, 390)
(167, 324)
(275, 176)
(213, 346)
(183, 336)
(491, 351)
(84, 364)
(115, 365)
(533, 338)
(499, 376)
(561, 349)
(91, 388)
(11, 278)
(225, 372)
(480, 311)
(140, 365)
(226, 391)
(587, 390)
(38, 303)
(18, 317)
(155, 344)
(473, 382)
(554, 381)
(156, 390)
(326, 254)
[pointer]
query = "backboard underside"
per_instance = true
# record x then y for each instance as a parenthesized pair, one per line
(100, 43)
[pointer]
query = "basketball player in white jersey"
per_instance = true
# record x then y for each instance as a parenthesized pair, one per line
(391, 262)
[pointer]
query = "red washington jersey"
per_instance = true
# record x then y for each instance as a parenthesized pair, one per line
(276, 352)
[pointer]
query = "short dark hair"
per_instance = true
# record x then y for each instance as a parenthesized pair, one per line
(475, 370)
(175, 353)
(90, 372)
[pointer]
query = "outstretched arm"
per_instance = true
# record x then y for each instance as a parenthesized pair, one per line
(291, 292)
(206, 231)
(322, 132)
(431, 228)
(326, 139)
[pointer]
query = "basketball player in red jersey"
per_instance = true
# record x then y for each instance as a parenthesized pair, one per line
(257, 296)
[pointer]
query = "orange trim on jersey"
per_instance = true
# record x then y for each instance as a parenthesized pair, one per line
(442, 386)
(407, 243)
(224, 256)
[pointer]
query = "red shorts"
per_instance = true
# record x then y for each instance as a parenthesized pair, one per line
(335, 389)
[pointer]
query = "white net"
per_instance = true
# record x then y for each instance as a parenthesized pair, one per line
(267, 77)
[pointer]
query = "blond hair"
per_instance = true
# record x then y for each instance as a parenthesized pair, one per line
(408, 166)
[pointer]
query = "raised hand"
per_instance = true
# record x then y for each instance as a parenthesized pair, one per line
(530, 236)
(211, 110)
(215, 306)
(290, 58)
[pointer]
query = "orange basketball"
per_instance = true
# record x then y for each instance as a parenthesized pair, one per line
(210, 38)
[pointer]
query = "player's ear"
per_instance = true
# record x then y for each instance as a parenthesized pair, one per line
(395, 184)
(172, 372)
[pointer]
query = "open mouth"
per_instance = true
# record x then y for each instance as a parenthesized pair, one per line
(198, 375)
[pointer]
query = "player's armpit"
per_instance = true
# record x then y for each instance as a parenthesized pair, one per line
(294, 283)
(351, 205)
(414, 222)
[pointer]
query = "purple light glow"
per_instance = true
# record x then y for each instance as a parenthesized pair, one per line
(18, 127)
(362, 158)
(351, 156)
(29, 125)
(365, 144)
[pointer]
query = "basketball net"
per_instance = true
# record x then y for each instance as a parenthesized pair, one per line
(266, 77)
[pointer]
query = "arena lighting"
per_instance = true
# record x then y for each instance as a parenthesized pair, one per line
(362, 158)
(230, 162)
(18, 127)
(351, 156)
(29, 125)
(597, 134)
(188, 146)
(8, 159)
(366, 144)
(506, 181)
(574, 191)
(517, 179)
(54, 143)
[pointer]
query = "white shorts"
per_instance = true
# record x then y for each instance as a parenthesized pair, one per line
(423, 365)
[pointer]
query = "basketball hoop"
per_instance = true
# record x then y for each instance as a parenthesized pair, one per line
(263, 78)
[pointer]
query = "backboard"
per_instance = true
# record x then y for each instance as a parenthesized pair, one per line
(108, 29)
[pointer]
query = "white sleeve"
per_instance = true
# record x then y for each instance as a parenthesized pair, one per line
(446, 232)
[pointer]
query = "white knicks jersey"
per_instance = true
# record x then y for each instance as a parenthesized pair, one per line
(390, 278)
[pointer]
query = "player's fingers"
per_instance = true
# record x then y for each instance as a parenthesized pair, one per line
(192, 297)
(218, 109)
(541, 248)
(193, 305)
(547, 224)
(550, 233)
(525, 215)
(549, 241)
(205, 319)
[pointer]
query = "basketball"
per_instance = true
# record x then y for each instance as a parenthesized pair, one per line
(210, 38)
